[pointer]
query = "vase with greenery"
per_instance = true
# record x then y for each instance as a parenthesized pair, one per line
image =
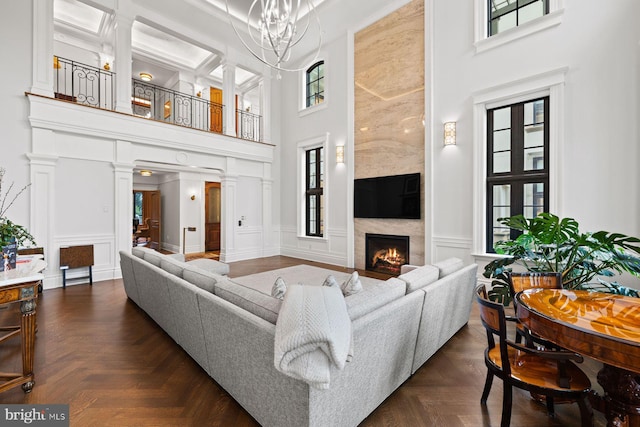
(549, 243)
(9, 229)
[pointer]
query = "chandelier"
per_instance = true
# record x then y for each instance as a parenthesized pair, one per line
(281, 25)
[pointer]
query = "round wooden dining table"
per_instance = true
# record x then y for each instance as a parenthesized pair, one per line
(602, 326)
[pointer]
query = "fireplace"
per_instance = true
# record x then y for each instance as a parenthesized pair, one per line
(385, 253)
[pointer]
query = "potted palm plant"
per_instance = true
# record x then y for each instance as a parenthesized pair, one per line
(8, 229)
(549, 243)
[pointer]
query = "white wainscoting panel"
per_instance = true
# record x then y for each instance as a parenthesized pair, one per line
(331, 249)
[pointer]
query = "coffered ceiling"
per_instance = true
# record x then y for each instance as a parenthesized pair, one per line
(90, 25)
(155, 51)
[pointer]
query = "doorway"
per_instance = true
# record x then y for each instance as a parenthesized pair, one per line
(212, 214)
(147, 218)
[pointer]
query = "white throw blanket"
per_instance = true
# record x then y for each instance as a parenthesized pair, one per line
(313, 331)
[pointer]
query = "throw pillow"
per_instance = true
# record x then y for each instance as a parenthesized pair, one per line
(352, 285)
(330, 281)
(279, 288)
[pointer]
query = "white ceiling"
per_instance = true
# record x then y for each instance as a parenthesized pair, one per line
(240, 8)
(163, 53)
(154, 51)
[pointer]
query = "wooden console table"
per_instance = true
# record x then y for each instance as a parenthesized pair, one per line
(21, 285)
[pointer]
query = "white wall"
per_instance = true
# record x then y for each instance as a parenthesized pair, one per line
(296, 128)
(598, 180)
(14, 108)
(169, 193)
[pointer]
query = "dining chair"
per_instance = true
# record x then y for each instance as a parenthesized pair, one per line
(532, 280)
(548, 373)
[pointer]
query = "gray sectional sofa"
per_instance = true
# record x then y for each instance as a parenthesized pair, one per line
(229, 330)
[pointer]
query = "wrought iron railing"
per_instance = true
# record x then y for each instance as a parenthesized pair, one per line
(95, 87)
(83, 83)
(158, 103)
(249, 125)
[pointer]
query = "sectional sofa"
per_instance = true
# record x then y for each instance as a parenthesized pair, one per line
(229, 330)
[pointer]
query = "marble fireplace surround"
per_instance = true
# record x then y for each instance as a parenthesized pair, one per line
(389, 113)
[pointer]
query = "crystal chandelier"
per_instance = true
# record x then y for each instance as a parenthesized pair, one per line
(278, 30)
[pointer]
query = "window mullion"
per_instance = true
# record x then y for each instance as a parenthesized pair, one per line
(517, 139)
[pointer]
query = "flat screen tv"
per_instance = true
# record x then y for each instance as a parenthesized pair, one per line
(396, 196)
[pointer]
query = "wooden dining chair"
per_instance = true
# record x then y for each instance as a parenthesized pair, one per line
(532, 280)
(548, 373)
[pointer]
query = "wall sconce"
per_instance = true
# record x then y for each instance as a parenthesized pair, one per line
(339, 153)
(184, 237)
(450, 133)
(145, 172)
(145, 77)
(193, 196)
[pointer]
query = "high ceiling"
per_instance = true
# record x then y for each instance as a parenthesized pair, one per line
(162, 53)
(154, 51)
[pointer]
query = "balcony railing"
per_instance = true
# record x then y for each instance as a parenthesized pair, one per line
(83, 84)
(95, 87)
(158, 103)
(249, 125)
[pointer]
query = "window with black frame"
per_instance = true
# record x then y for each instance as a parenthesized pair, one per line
(315, 84)
(507, 14)
(314, 161)
(517, 165)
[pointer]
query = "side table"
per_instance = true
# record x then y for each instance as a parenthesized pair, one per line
(21, 285)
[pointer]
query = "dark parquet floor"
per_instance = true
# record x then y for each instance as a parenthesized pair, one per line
(99, 353)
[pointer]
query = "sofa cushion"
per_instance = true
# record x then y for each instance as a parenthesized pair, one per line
(420, 277)
(153, 257)
(139, 251)
(262, 305)
(374, 296)
(171, 265)
(202, 279)
(210, 265)
(448, 266)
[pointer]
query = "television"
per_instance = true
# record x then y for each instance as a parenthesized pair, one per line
(396, 196)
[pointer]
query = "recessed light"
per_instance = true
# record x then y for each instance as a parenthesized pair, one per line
(145, 77)
(145, 172)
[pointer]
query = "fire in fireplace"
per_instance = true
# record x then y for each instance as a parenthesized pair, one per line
(385, 253)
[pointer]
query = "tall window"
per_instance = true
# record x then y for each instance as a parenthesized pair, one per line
(506, 14)
(315, 84)
(517, 165)
(314, 195)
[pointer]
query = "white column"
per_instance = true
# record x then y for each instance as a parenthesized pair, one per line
(265, 106)
(228, 185)
(123, 209)
(267, 216)
(229, 99)
(42, 191)
(42, 78)
(123, 63)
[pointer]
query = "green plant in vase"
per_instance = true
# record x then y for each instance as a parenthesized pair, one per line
(9, 229)
(549, 243)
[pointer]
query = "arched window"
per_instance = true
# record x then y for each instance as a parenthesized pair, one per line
(315, 84)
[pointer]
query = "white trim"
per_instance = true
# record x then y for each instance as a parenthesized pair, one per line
(429, 131)
(303, 146)
(483, 43)
(550, 83)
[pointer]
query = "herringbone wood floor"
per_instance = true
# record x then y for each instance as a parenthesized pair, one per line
(99, 353)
